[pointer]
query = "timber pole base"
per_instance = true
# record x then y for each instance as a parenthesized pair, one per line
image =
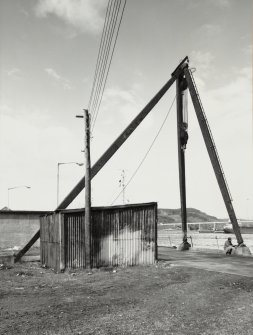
(242, 250)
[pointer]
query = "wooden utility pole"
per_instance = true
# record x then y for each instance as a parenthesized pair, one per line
(181, 155)
(87, 212)
(87, 218)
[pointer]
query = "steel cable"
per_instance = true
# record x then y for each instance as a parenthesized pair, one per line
(145, 156)
(101, 96)
(99, 51)
(106, 55)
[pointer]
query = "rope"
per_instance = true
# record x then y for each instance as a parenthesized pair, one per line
(149, 149)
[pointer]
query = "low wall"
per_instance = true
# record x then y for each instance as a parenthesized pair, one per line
(18, 227)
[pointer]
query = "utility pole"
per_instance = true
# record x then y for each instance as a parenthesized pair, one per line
(182, 137)
(87, 189)
(87, 214)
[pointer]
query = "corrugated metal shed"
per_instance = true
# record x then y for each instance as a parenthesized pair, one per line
(120, 235)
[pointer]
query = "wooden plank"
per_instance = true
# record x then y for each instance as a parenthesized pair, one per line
(27, 246)
(57, 241)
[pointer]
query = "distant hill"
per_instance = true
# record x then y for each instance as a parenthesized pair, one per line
(166, 215)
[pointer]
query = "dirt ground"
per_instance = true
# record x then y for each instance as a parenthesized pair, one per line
(159, 299)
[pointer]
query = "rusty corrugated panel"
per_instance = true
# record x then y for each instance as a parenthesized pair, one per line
(124, 236)
(50, 241)
(74, 240)
(42, 247)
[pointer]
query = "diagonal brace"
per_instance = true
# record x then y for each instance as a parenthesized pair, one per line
(116, 144)
(213, 154)
(113, 148)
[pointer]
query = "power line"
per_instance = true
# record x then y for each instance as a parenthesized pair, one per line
(107, 49)
(103, 43)
(99, 53)
(103, 86)
(108, 68)
(113, 19)
(145, 156)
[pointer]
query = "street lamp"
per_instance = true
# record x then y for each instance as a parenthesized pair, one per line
(12, 188)
(58, 175)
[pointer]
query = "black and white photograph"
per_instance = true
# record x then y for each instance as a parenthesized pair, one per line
(126, 167)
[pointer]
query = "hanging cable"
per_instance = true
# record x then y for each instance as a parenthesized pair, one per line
(107, 50)
(100, 51)
(110, 16)
(145, 156)
(113, 19)
(105, 46)
(103, 86)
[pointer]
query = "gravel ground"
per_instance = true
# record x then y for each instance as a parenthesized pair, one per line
(159, 299)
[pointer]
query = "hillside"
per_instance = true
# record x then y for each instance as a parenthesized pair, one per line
(166, 215)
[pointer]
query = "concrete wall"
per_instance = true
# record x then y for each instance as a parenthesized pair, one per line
(18, 227)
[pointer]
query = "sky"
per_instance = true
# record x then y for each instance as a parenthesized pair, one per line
(48, 55)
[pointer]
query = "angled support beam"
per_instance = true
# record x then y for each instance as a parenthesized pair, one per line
(124, 135)
(114, 147)
(27, 246)
(117, 144)
(181, 157)
(213, 154)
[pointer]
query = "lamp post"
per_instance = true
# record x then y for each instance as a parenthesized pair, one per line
(12, 188)
(58, 176)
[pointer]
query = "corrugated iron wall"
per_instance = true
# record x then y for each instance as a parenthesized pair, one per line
(124, 235)
(74, 240)
(120, 235)
(50, 241)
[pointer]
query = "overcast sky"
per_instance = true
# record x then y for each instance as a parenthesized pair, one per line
(48, 55)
